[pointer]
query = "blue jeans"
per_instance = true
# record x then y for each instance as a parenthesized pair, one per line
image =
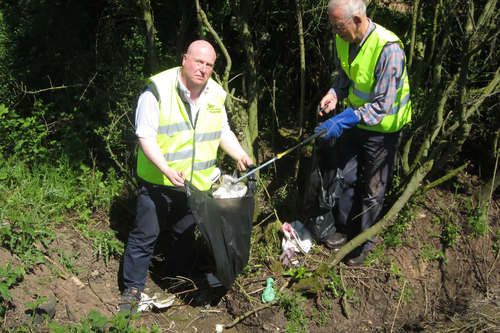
(367, 163)
(157, 207)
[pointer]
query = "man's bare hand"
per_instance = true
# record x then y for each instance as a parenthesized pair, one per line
(243, 162)
(330, 101)
(176, 177)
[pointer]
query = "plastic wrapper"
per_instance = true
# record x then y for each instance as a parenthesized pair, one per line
(297, 238)
(228, 190)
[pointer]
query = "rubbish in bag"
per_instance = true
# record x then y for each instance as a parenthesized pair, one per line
(226, 226)
(323, 190)
(296, 239)
(229, 190)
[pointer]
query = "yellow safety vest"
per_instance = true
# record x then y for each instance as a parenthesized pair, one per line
(361, 73)
(188, 149)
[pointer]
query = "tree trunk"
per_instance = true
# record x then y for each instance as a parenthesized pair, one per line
(240, 117)
(298, 7)
(146, 23)
(241, 10)
(184, 11)
(416, 10)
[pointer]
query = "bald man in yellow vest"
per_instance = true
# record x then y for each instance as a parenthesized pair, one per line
(181, 122)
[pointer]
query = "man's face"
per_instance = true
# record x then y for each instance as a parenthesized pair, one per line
(345, 29)
(197, 65)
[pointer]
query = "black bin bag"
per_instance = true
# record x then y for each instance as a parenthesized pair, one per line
(322, 190)
(226, 226)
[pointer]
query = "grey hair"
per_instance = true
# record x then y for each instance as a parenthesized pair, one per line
(350, 7)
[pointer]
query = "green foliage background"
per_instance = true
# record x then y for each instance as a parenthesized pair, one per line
(71, 72)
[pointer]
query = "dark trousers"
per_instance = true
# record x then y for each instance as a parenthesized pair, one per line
(157, 207)
(367, 162)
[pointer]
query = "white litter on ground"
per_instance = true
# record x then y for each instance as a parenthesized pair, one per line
(297, 239)
(159, 301)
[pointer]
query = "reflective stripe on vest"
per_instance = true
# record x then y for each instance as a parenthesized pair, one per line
(361, 73)
(188, 149)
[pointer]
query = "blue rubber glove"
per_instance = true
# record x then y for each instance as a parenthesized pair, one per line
(334, 126)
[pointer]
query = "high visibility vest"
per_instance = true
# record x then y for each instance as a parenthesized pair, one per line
(188, 149)
(361, 73)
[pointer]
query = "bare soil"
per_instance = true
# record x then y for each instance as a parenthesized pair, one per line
(402, 290)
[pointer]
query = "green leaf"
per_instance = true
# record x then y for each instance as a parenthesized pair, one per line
(3, 109)
(4, 290)
(30, 305)
(53, 325)
(97, 319)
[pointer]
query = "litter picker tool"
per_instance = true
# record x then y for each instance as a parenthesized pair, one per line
(306, 141)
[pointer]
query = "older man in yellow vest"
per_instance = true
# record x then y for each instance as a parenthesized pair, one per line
(181, 121)
(373, 77)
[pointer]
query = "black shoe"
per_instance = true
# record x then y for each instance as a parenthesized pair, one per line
(128, 302)
(356, 261)
(336, 241)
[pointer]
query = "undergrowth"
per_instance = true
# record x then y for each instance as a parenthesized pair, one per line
(38, 197)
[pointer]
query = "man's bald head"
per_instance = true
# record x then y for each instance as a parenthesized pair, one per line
(197, 65)
(201, 46)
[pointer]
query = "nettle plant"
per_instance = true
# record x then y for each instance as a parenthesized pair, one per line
(8, 278)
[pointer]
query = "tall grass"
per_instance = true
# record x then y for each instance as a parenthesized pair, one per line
(36, 197)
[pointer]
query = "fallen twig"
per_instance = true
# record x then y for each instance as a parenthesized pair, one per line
(69, 314)
(245, 292)
(59, 267)
(382, 271)
(359, 280)
(261, 277)
(95, 293)
(493, 265)
(399, 303)
(250, 312)
(192, 321)
(343, 299)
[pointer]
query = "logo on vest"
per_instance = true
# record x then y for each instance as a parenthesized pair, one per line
(212, 108)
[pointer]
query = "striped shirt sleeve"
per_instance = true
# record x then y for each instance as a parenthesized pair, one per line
(388, 73)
